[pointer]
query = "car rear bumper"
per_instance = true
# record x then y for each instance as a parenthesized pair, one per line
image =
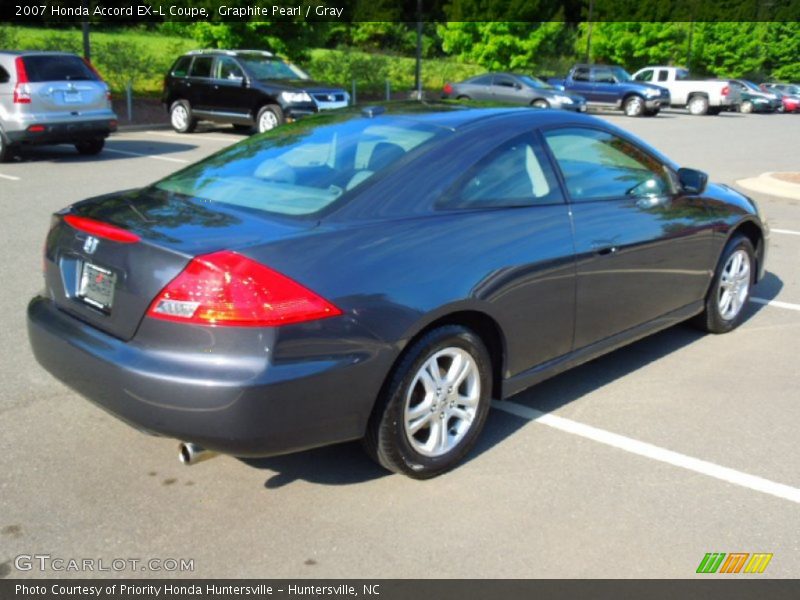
(239, 405)
(62, 132)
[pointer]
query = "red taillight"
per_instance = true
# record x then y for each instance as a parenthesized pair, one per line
(447, 89)
(226, 288)
(726, 90)
(101, 230)
(36, 128)
(22, 91)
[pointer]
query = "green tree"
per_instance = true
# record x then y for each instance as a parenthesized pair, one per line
(731, 49)
(634, 45)
(503, 45)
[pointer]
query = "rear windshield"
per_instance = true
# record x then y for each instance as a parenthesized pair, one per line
(57, 68)
(304, 167)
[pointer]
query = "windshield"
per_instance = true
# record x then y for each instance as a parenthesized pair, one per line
(263, 67)
(752, 86)
(304, 167)
(534, 82)
(621, 74)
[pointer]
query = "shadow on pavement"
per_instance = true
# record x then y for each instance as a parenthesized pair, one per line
(346, 464)
(67, 152)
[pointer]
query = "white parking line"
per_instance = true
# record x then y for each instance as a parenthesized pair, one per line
(786, 231)
(167, 158)
(775, 303)
(657, 453)
(9, 177)
(195, 136)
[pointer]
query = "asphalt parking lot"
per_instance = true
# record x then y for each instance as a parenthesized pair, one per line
(634, 465)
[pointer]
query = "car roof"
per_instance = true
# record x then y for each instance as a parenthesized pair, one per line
(223, 52)
(456, 116)
(35, 53)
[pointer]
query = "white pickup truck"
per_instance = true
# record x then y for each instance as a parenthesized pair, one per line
(697, 96)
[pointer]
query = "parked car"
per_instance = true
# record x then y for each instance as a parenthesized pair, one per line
(52, 98)
(788, 93)
(514, 89)
(699, 97)
(612, 87)
(246, 88)
(753, 99)
(383, 275)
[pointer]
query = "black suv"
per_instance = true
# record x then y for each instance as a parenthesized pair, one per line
(248, 88)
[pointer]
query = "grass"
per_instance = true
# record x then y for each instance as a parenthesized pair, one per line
(144, 56)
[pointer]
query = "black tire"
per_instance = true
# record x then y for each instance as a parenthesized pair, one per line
(633, 106)
(712, 320)
(181, 118)
(714, 111)
(540, 103)
(652, 112)
(90, 147)
(386, 440)
(697, 105)
(463, 97)
(271, 114)
(6, 151)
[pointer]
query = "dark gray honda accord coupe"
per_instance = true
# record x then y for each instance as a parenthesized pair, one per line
(383, 275)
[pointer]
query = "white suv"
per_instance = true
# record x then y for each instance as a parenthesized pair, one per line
(52, 98)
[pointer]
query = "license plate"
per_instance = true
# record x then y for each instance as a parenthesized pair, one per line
(72, 97)
(97, 286)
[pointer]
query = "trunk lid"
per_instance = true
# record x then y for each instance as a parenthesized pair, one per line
(110, 284)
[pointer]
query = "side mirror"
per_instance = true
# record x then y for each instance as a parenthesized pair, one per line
(692, 180)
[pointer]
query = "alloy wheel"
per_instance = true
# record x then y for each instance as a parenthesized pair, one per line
(442, 402)
(267, 121)
(180, 117)
(734, 285)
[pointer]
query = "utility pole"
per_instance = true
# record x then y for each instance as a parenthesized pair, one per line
(589, 34)
(87, 49)
(418, 71)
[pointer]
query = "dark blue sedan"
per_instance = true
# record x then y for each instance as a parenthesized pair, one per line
(383, 275)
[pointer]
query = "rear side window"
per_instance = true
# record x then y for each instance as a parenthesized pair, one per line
(483, 80)
(581, 74)
(4, 77)
(515, 174)
(181, 68)
(201, 66)
(305, 166)
(663, 75)
(57, 68)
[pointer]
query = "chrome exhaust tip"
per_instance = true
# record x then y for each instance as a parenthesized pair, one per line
(191, 454)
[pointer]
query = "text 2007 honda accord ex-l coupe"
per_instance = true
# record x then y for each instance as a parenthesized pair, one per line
(383, 275)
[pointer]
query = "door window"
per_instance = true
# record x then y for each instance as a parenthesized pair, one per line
(598, 165)
(228, 69)
(604, 76)
(201, 66)
(663, 75)
(646, 75)
(504, 81)
(580, 74)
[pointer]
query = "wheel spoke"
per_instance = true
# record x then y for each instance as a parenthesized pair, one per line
(420, 409)
(414, 425)
(460, 413)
